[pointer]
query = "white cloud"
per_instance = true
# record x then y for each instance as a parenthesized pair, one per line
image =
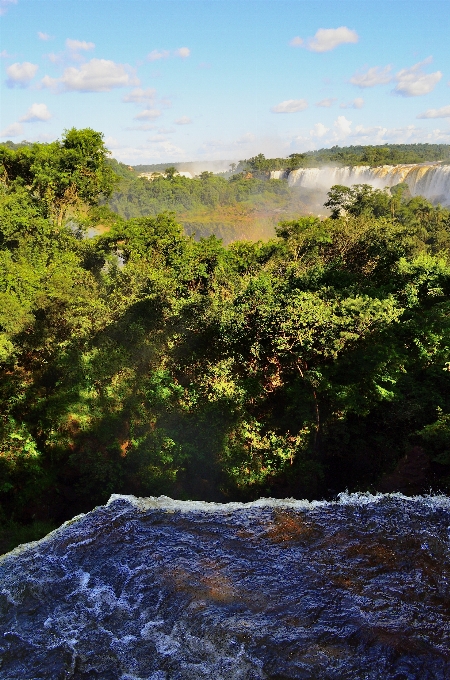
(140, 96)
(155, 55)
(13, 130)
(319, 130)
(443, 112)
(290, 106)
(36, 112)
(372, 76)
(296, 42)
(44, 36)
(413, 82)
(5, 55)
(184, 120)
(183, 52)
(21, 74)
(342, 127)
(166, 131)
(96, 75)
(326, 103)
(327, 39)
(408, 134)
(77, 45)
(4, 5)
(148, 114)
(357, 103)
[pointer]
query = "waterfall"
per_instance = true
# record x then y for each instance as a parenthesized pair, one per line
(431, 180)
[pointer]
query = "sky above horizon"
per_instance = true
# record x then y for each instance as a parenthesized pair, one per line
(184, 80)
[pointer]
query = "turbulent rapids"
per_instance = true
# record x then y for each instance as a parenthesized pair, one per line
(430, 180)
(157, 589)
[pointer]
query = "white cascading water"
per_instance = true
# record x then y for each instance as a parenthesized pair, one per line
(431, 180)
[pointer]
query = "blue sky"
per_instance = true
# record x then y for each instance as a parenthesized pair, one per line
(173, 80)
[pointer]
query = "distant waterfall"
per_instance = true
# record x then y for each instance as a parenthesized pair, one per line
(430, 180)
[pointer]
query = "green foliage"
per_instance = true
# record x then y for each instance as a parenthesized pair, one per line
(143, 361)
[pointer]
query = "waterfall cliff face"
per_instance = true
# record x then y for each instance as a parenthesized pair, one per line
(154, 589)
(430, 180)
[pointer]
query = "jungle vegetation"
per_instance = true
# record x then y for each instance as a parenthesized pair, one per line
(144, 361)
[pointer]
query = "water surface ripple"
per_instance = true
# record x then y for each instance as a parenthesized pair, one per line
(154, 589)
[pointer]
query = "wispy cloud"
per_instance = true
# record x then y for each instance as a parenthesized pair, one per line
(413, 82)
(443, 112)
(13, 130)
(4, 54)
(44, 36)
(290, 106)
(96, 75)
(326, 39)
(79, 45)
(155, 55)
(326, 103)
(140, 96)
(21, 74)
(357, 103)
(372, 77)
(36, 112)
(148, 114)
(184, 120)
(5, 4)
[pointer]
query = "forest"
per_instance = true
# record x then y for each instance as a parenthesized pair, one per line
(138, 359)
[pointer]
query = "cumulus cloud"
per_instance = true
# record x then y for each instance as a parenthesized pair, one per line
(13, 130)
(184, 120)
(96, 75)
(21, 74)
(327, 39)
(4, 5)
(148, 114)
(372, 76)
(296, 42)
(140, 96)
(319, 130)
(413, 82)
(290, 106)
(183, 52)
(155, 55)
(36, 112)
(443, 112)
(357, 103)
(326, 103)
(342, 126)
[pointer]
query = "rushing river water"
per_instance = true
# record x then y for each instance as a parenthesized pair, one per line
(154, 589)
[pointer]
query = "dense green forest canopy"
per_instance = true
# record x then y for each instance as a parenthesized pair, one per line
(144, 361)
(387, 154)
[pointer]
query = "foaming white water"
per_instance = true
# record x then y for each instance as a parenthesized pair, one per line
(430, 180)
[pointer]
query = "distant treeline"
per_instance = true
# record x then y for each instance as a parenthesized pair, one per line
(388, 154)
(142, 361)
